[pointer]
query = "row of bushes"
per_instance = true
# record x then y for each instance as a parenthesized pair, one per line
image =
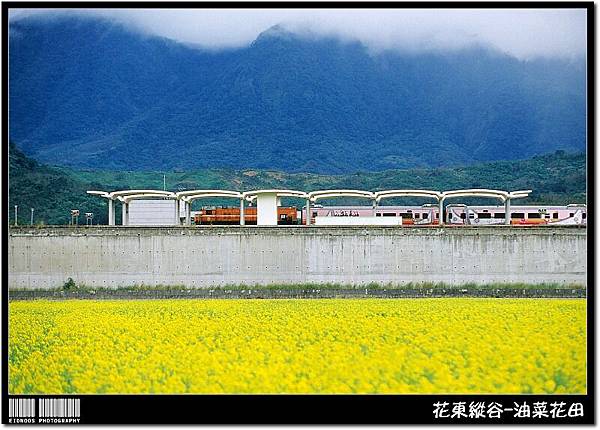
(71, 285)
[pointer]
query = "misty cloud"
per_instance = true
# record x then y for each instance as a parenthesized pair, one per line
(522, 33)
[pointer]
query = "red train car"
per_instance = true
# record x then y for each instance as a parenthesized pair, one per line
(231, 216)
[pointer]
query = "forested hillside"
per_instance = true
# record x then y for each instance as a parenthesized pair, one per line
(558, 178)
(88, 93)
(50, 191)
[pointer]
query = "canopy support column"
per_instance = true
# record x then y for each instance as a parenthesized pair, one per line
(441, 209)
(242, 213)
(507, 212)
(188, 213)
(124, 213)
(308, 212)
(177, 213)
(266, 209)
(111, 212)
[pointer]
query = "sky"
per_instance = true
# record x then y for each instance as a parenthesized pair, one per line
(522, 33)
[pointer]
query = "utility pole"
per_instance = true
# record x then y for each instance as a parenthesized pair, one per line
(31, 223)
(16, 215)
(164, 182)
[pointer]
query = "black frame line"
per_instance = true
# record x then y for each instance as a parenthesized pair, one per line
(305, 409)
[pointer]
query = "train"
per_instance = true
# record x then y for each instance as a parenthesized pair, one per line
(572, 214)
(460, 214)
(425, 215)
(231, 216)
(419, 215)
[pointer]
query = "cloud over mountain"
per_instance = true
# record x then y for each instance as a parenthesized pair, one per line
(522, 33)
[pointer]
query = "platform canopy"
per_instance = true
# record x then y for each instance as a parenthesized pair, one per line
(269, 199)
(104, 194)
(267, 202)
(484, 192)
(125, 197)
(324, 194)
(252, 195)
(519, 194)
(191, 195)
(133, 194)
(407, 193)
(143, 196)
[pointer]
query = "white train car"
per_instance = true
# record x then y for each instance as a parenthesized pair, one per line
(393, 215)
(455, 214)
(574, 214)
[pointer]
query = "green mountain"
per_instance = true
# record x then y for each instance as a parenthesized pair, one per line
(51, 192)
(89, 93)
(558, 178)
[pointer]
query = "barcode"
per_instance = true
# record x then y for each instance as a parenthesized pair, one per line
(21, 408)
(51, 408)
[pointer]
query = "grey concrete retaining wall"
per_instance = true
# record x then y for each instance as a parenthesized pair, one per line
(217, 256)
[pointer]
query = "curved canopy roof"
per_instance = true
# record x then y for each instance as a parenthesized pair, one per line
(104, 194)
(519, 194)
(125, 193)
(323, 194)
(484, 192)
(407, 193)
(251, 195)
(141, 196)
(137, 193)
(192, 195)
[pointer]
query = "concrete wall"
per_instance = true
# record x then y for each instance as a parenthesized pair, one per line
(205, 256)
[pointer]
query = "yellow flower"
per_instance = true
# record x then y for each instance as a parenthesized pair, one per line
(298, 346)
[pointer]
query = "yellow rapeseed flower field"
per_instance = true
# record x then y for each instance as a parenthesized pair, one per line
(298, 346)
